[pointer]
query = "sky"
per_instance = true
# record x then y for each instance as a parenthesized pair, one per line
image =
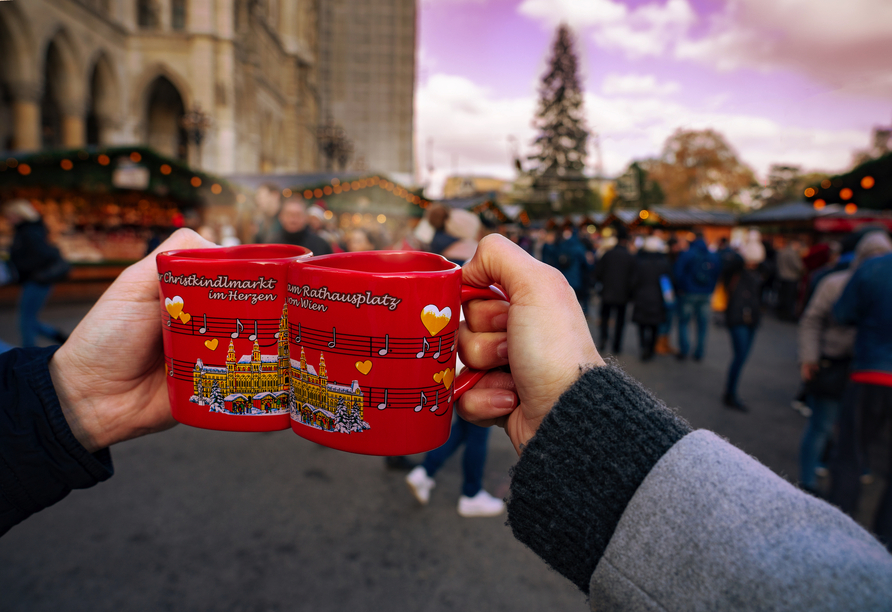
(798, 82)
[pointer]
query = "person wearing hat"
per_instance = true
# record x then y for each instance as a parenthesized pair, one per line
(743, 314)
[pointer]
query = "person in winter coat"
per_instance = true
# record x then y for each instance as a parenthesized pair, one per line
(825, 354)
(867, 403)
(615, 271)
(649, 310)
(612, 489)
(572, 261)
(39, 264)
(743, 314)
(696, 273)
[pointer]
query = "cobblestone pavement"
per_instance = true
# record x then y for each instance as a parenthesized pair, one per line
(202, 520)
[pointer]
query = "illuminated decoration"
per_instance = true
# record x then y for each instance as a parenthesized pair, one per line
(24, 169)
(135, 157)
(819, 204)
(867, 182)
(845, 193)
(382, 218)
(286, 193)
(66, 164)
(308, 193)
(216, 189)
(317, 193)
(196, 181)
(644, 215)
(328, 214)
(345, 187)
(335, 181)
(196, 123)
(326, 190)
(851, 208)
(825, 184)
(809, 192)
(103, 160)
(166, 169)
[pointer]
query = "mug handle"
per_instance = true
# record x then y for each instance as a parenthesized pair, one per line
(470, 377)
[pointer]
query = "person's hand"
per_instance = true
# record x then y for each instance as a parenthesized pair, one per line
(808, 370)
(109, 375)
(542, 334)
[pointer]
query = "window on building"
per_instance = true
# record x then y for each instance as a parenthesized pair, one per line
(146, 14)
(178, 14)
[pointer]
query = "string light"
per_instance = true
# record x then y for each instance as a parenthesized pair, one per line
(867, 182)
(287, 192)
(196, 181)
(819, 204)
(66, 164)
(326, 190)
(825, 184)
(809, 192)
(166, 169)
(845, 193)
(317, 192)
(382, 218)
(135, 157)
(644, 215)
(851, 208)
(216, 189)
(103, 160)
(24, 169)
(308, 193)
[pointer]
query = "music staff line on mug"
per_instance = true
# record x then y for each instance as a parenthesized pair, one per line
(440, 348)
(234, 328)
(413, 398)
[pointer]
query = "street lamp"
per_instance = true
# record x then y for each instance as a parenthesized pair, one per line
(334, 144)
(196, 123)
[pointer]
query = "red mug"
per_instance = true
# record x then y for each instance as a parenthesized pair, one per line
(225, 335)
(373, 340)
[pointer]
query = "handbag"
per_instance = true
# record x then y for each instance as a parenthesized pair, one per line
(667, 290)
(831, 378)
(53, 273)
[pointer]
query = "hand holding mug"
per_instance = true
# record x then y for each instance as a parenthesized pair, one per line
(109, 375)
(542, 334)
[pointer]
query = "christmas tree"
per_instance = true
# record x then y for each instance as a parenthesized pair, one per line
(216, 398)
(292, 406)
(558, 182)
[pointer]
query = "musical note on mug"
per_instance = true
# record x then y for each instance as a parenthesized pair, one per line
(439, 347)
(239, 328)
(386, 348)
(297, 337)
(383, 404)
(434, 408)
(334, 338)
(420, 406)
(424, 348)
(204, 328)
(253, 336)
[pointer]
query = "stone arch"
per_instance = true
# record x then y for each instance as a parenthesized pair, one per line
(62, 101)
(19, 82)
(104, 105)
(164, 110)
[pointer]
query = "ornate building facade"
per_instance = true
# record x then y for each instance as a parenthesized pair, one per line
(75, 73)
(251, 381)
(316, 399)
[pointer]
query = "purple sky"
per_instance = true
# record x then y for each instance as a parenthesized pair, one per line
(764, 75)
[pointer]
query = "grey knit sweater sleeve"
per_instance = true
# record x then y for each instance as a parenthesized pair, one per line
(578, 473)
(616, 493)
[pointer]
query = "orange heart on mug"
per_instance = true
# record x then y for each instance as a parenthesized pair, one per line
(212, 344)
(174, 306)
(185, 317)
(434, 319)
(364, 366)
(446, 377)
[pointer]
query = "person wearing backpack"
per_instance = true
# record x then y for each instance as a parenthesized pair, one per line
(696, 273)
(39, 265)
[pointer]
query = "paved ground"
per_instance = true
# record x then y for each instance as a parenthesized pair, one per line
(201, 520)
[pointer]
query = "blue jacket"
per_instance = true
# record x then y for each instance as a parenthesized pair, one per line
(697, 270)
(40, 459)
(866, 303)
(572, 262)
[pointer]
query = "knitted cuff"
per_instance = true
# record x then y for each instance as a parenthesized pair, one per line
(578, 473)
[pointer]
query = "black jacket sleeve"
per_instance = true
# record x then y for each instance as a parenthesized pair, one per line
(40, 459)
(578, 473)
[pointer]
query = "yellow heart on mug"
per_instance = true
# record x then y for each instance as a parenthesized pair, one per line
(174, 306)
(212, 344)
(434, 319)
(438, 376)
(185, 317)
(364, 366)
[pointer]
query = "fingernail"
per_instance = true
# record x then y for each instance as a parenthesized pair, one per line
(503, 399)
(502, 350)
(500, 321)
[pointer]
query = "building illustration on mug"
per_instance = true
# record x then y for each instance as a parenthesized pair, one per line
(254, 384)
(317, 402)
